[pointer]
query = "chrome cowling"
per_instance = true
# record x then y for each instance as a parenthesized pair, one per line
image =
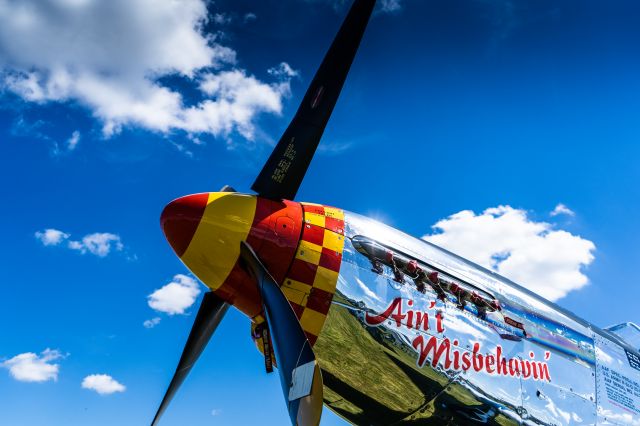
(538, 366)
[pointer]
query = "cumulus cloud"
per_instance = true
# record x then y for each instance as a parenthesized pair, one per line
(103, 384)
(561, 209)
(51, 237)
(150, 323)
(99, 243)
(112, 57)
(176, 297)
(31, 367)
(546, 260)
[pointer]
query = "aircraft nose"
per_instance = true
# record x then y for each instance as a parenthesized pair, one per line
(180, 219)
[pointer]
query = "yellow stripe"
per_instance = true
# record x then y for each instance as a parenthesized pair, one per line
(326, 280)
(309, 252)
(297, 285)
(295, 295)
(314, 219)
(334, 213)
(333, 241)
(312, 321)
(215, 246)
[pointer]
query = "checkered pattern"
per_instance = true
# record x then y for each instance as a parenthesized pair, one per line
(311, 281)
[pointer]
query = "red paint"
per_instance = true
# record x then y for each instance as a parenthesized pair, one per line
(330, 259)
(396, 312)
(278, 243)
(491, 360)
(302, 271)
(319, 300)
(333, 224)
(313, 234)
(439, 325)
(398, 316)
(412, 266)
(180, 218)
(442, 352)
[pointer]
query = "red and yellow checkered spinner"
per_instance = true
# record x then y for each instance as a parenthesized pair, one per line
(299, 243)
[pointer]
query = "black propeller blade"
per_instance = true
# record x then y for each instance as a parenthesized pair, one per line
(300, 375)
(211, 312)
(281, 176)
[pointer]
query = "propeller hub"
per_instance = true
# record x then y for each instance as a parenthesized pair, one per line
(205, 231)
(180, 219)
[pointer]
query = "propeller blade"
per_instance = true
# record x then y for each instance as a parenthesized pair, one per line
(283, 172)
(300, 375)
(211, 312)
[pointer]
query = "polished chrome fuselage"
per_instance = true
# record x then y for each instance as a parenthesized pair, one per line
(392, 352)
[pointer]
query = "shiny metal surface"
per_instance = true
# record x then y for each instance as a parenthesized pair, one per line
(418, 335)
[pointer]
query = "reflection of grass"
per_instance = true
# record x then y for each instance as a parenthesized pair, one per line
(351, 356)
(379, 381)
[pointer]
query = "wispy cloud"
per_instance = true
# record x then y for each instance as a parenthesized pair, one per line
(561, 209)
(72, 142)
(31, 367)
(390, 5)
(150, 323)
(175, 297)
(102, 384)
(99, 243)
(221, 18)
(367, 292)
(548, 261)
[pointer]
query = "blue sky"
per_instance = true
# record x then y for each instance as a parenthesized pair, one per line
(450, 106)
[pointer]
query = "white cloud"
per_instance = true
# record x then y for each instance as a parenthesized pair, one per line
(367, 292)
(69, 146)
(216, 412)
(30, 367)
(103, 384)
(175, 297)
(221, 18)
(111, 57)
(238, 99)
(562, 209)
(72, 142)
(283, 71)
(150, 323)
(549, 262)
(51, 237)
(99, 244)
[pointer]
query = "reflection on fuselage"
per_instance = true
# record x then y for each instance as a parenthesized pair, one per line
(416, 334)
